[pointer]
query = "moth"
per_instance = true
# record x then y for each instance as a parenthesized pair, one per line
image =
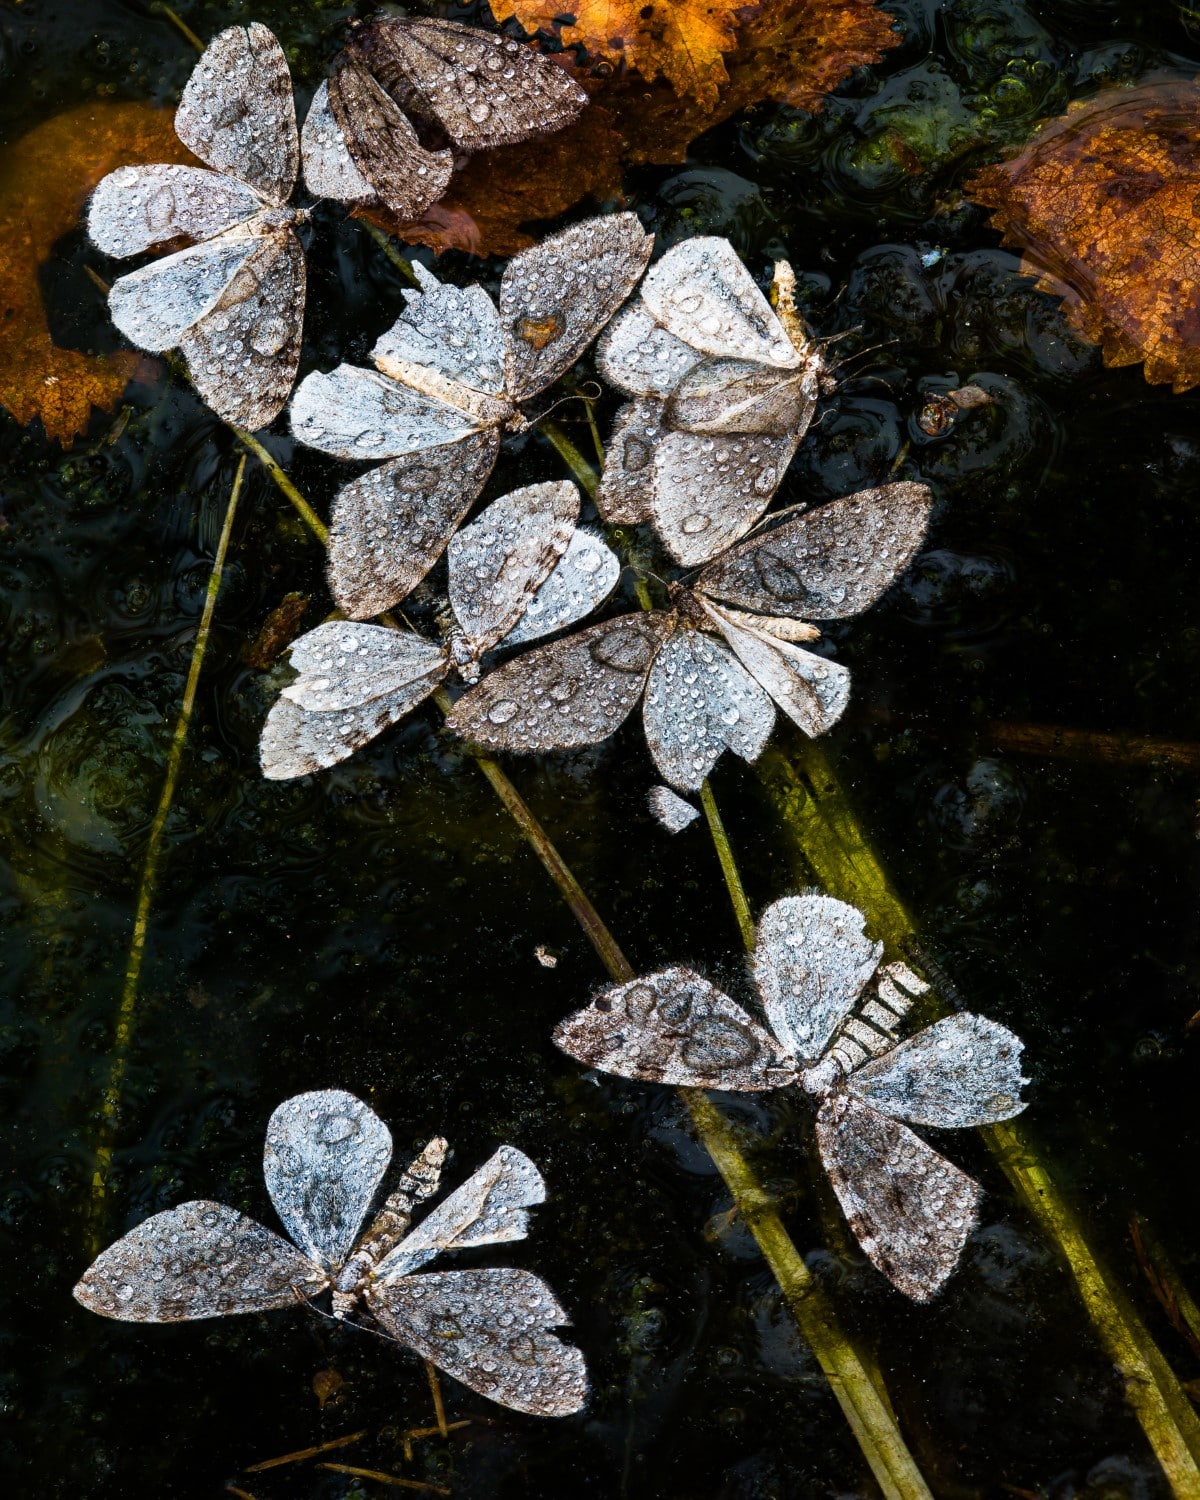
(407, 90)
(710, 670)
(670, 809)
(724, 390)
(326, 1154)
(521, 570)
(450, 377)
(832, 1013)
(233, 302)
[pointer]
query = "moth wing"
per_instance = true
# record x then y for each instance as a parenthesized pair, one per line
(566, 694)
(485, 90)
(582, 579)
(498, 563)
(329, 170)
(736, 395)
(200, 1260)
(556, 296)
(623, 498)
(382, 142)
(700, 701)
(706, 491)
(343, 664)
(674, 1027)
(829, 563)
(670, 809)
(135, 208)
(811, 962)
(812, 690)
(640, 357)
(154, 307)
(324, 1158)
(910, 1209)
(244, 352)
(296, 741)
(388, 528)
(238, 115)
(488, 1329)
(488, 1209)
(702, 294)
(450, 329)
(357, 413)
(963, 1070)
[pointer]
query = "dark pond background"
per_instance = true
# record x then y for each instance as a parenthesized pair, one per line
(375, 928)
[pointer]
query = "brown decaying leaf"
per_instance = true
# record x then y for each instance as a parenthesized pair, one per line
(789, 51)
(278, 630)
(1103, 204)
(45, 180)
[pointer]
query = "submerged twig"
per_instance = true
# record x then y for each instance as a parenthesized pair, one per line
(435, 1390)
(1166, 1283)
(1058, 743)
(111, 1102)
(815, 810)
(852, 1377)
(381, 1478)
(301, 1455)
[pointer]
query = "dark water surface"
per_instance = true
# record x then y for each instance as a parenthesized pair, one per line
(375, 928)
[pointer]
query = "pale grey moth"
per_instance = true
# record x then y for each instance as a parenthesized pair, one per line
(711, 669)
(832, 1013)
(521, 570)
(670, 809)
(449, 379)
(326, 1154)
(233, 302)
(724, 390)
(408, 88)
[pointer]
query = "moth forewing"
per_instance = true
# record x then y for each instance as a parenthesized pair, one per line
(382, 143)
(389, 527)
(963, 1070)
(488, 1329)
(812, 690)
(566, 694)
(910, 1209)
(329, 169)
(674, 1027)
(498, 563)
(811, 962)
(343, 664)
(325, 1155)
(706, 491)
(641, 358)
(237, 112)
(701, 293)
(581, 580)
(700, 702)
(623, 498)
(354, 413)
(454, 331)
(829, 563)
(483, 89)
(200, 1260)
(729, 396)
(136, 208)
(488, 1209)
(556, 296)
(155, 306)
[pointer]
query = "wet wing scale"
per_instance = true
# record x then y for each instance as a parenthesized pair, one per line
(963, 1070)
(136, 208)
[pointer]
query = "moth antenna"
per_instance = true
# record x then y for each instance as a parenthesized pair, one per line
(579, 395)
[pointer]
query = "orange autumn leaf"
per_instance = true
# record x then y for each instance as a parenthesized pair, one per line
(789, 51)
(683, 41)
(45, 180)
(1104, 203)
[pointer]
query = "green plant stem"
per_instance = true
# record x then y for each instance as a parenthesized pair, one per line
(852, 1377)
(733, 879)
(283, 483)
(111, 1102)
(583, 471)
(815, 811)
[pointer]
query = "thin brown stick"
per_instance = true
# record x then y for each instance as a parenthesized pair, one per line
(1054, 742)
(301, 1455)
(381, 1478)
(424, 1432)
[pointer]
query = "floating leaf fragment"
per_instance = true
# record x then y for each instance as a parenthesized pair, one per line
(1102, 202)
(278, 629)
(45, 179)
